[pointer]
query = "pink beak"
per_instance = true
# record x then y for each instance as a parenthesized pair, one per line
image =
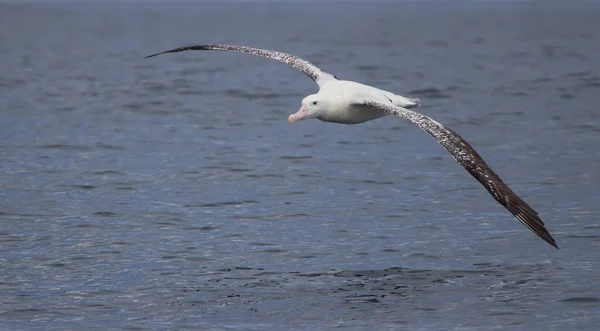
(302, 113)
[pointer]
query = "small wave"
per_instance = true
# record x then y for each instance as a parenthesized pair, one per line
(421, 255)
(222, 204)
(201, 228)
(83, 226)
(156, 87)
(430, 92)
(369, 181)
(567, 96)
(105, 214)
(81, 187)
(275, 250)
(581, 300)
(289, 157)
(107, 172)
(11, 82)
(371, 273)
(575, 236)
(260, 244)
(238, 169)
(297, 215)
(579, 74)
(65, 147)
(110, 147)
(197, 259)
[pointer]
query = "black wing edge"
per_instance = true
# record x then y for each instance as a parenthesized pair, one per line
(181, 49)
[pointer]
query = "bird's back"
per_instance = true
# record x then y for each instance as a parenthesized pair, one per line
(373, 93)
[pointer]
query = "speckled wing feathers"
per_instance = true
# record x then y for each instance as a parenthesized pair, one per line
(466, 156)
(313, 72)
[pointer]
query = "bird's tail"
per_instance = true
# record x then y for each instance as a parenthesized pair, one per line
(415, 101)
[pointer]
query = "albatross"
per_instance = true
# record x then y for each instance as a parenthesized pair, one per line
(347, 102)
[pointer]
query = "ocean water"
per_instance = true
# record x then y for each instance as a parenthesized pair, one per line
(170, 193)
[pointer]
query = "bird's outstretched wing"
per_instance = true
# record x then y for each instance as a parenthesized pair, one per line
(315, 73)
(466, 156)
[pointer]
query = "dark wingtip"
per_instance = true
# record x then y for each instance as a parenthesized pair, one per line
(153, 55)
(548, 238)
(179, 49)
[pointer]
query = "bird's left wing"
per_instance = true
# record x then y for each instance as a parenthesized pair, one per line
(318, 75)
(466, 156)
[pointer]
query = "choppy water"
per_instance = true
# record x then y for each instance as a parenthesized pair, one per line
(170, 193)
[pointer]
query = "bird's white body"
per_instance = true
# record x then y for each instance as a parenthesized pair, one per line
(343, 96)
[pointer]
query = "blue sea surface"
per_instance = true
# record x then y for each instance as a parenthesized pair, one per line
(170, 193)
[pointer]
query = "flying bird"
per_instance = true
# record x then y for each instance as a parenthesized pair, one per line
(347, 102)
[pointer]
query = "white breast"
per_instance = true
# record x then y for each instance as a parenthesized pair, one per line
(343, 96)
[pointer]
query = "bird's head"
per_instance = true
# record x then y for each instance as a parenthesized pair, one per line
(312, 106)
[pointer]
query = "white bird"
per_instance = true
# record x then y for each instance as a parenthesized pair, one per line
(347, 102)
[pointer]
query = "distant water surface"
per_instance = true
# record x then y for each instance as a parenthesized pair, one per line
(170, 193)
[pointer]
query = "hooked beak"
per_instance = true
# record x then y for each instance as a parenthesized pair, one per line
(301, 114)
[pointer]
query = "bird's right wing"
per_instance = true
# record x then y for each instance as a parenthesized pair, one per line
(466, 156)
(312, 71)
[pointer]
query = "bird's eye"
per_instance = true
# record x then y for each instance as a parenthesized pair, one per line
(314, 103)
